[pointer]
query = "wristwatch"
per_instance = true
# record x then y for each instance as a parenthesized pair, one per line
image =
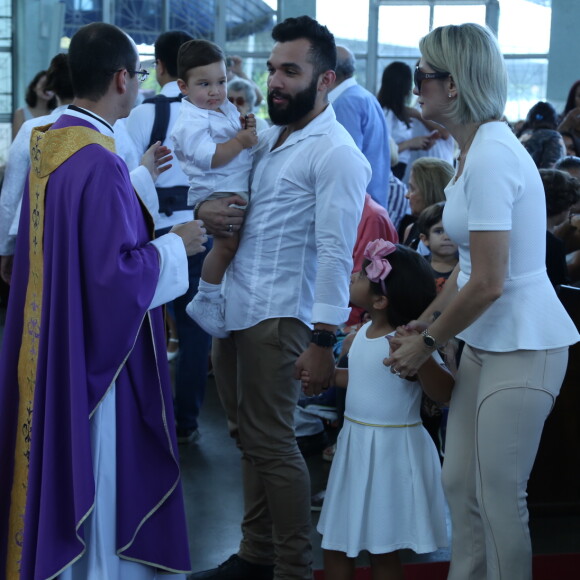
(429, 341)
(324, 338)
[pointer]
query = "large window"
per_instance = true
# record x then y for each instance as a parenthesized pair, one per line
(401, 23)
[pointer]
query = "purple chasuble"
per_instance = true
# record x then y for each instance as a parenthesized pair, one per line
(100, 276)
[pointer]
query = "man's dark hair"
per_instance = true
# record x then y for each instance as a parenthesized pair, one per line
(96, 52)
(561, 189)
(196, 53)
(58, 77)
(167, 46)
(430, 216)
(322, 45)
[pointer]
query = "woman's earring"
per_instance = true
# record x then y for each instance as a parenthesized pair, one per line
(449, 95)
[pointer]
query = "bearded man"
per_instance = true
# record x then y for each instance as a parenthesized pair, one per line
(286, 293)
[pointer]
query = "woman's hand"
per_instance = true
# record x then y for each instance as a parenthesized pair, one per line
(408, 352)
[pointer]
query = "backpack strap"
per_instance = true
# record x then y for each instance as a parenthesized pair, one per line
(162, 111)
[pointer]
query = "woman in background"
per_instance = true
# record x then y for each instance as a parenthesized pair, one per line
(38, 100)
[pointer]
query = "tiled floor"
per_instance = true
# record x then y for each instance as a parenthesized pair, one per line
(211, 479)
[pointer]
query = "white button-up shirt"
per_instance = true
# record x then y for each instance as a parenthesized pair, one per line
(295, 253)
(18, 167)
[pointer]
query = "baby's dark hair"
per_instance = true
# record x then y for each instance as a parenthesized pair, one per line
(429, 217)
(561, 189)
(197, 52)
(410, 286)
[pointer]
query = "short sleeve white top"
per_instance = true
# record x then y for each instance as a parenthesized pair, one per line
(195, 136)
(500, 190)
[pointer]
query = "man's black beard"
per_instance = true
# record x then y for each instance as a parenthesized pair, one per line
(297, 106)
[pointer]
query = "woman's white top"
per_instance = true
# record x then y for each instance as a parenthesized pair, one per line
(399, 131)
(500, 190)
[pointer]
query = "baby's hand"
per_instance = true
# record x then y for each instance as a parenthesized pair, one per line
(250, 121)
(305, 380)
(247, 137)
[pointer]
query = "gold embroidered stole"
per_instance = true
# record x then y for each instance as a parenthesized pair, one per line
(48, 150)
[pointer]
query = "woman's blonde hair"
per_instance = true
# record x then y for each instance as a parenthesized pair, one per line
(431, 176)
(471, 54)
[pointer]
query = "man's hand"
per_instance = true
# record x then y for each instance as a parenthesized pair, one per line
(6, 268)
(220, 219)
(315, 368)
(156, 159)
(193, 235)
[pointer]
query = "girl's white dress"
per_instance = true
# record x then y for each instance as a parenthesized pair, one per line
(384, 492)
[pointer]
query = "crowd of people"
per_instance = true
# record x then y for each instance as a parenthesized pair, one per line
(188, 228)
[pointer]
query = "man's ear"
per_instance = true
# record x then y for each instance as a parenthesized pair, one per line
(120, 80)
(183, 86)
(424, 239)
(160, 67)
(380, 302)
(326, 81)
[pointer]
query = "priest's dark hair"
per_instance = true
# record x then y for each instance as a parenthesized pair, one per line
(167, 46)
(322, 45)
(96, 52)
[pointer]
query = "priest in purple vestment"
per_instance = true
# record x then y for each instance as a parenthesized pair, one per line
(88, 455)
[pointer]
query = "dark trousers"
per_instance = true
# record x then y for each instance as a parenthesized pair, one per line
(194, 345)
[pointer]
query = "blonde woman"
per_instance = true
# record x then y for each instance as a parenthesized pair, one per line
(427, 181)
(499, 300)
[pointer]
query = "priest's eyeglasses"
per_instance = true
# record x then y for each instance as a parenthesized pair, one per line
(141, 74)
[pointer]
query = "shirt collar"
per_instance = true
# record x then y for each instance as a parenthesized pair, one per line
(320, 125)
(103, 126)
(343, 86)
(170, 89)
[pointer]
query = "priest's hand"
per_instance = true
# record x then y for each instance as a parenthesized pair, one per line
(193, 235)
(219, 217)
(156, 160)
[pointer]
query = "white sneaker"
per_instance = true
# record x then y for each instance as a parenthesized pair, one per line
(209, 314)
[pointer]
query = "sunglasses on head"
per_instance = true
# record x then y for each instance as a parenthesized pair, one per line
(421, 76)
(239, 101)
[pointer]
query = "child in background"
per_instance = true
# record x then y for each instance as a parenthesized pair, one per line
(212, 144)
(443, 257)
(384, 492)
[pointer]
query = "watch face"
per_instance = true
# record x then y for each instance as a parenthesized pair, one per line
(429, 340)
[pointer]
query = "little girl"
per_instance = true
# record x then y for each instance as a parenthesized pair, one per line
(384, 492)
(213, 148)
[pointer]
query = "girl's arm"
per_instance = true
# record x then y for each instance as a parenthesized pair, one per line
(340, 380)
(437, 382)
